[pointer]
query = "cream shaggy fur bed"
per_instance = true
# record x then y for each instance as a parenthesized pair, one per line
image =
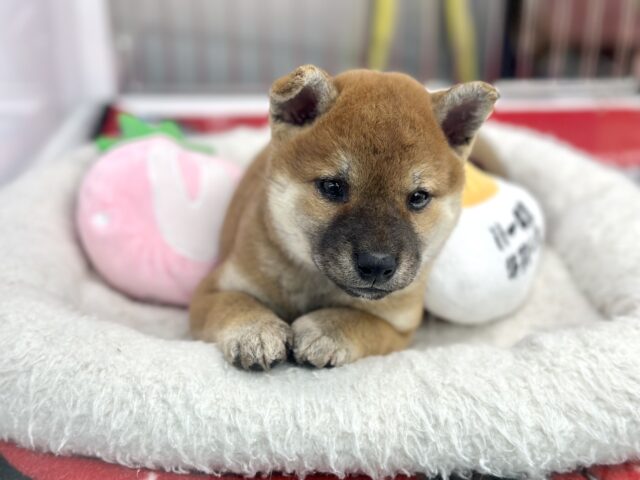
(84, 370)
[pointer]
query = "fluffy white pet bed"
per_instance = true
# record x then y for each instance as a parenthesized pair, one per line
(84, 370)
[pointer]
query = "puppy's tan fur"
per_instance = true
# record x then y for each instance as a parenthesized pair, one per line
(282, 285)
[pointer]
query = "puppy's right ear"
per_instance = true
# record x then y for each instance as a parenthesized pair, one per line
(297, 99)
(461, 110)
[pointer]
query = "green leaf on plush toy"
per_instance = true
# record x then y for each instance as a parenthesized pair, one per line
(132, 128)
(105, 143)
(171, 129)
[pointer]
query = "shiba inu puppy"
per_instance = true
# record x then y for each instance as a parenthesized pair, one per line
(328, 241)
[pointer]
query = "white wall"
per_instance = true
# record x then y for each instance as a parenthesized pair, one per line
(55, 55)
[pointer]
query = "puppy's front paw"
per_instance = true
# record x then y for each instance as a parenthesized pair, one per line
(318, 342)
(257, 346)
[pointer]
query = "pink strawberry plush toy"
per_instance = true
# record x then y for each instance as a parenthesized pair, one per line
(144, 211)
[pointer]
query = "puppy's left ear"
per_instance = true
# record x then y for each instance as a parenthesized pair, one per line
(298, 99)
(461, 110)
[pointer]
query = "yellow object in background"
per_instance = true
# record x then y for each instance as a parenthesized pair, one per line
(460, 30)
(462, 36)
(382, 27)
(479, 186)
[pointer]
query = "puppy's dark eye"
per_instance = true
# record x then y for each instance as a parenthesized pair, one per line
(418, 200)
(333, 189)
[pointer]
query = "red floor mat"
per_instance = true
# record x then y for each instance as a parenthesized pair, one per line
(21, 464)
(611, 134)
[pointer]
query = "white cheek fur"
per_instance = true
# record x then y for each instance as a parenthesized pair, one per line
(449, 207)
(283, 196)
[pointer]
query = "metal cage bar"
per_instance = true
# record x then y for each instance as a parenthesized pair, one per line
(241, 45)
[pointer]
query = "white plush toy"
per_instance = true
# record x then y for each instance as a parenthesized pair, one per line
(150, 211)
(487, 266)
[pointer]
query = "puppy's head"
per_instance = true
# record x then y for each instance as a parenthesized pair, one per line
(366, 172)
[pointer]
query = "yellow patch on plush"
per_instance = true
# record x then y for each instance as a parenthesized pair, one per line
(478, 187)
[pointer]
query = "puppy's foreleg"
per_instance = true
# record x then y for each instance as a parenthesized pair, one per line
(335, 336)
(250, 335)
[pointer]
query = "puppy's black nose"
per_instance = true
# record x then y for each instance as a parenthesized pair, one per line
(375, 266)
